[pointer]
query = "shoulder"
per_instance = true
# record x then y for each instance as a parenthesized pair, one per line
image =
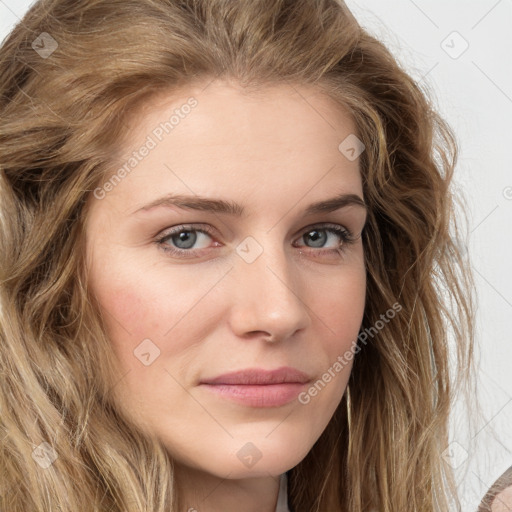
(499, 495)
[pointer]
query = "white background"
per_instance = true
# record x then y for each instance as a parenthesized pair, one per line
(473, 91)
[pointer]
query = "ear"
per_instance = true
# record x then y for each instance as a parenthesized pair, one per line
(499, 496)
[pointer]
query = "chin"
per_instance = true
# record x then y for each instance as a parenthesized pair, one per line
(263, 456)
(255, 456)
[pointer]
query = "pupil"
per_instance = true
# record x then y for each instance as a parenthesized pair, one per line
(316, 237)
(184, 236)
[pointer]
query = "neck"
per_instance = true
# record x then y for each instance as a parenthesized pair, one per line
(203, 492)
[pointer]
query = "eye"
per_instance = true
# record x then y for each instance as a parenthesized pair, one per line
(184, 238)
(319, 235)
(180, 240)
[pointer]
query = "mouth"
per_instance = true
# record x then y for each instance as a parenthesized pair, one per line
(255, 387)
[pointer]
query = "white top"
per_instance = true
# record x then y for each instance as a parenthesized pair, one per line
(282, 497)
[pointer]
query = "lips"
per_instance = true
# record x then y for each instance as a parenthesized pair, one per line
(258, 388)
(260, 377)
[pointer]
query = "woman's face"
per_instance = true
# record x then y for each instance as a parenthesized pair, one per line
(194, 292)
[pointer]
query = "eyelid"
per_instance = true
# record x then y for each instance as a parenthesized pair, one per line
(212, 231)
(205, 228)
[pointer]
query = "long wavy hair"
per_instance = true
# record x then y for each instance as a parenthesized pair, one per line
(65, 446)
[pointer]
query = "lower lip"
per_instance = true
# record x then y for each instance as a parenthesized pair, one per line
(268, 395)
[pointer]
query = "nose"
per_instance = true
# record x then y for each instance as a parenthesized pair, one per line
(269, 298)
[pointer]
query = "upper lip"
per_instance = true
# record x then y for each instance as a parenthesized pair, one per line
(258, 376)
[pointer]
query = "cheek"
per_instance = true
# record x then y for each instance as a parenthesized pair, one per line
(142, 303)
(341, 309)
(134, 307)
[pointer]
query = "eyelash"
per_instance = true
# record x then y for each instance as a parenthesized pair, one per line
(344, 234)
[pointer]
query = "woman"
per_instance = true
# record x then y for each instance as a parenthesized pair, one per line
(230, 263)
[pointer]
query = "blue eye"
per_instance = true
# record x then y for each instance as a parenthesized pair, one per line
(317, 235)
(184, 238)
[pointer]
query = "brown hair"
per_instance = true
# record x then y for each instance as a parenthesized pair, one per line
(72, 71)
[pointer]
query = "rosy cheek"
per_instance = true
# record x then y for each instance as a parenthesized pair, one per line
(123, 291)
(129, 315)
(138, 309)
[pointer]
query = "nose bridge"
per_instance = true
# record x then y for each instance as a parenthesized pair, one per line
(268, 295)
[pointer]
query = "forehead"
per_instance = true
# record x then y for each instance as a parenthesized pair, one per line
(225, 113)
(221, 137)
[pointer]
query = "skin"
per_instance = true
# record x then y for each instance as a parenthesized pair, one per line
(503, 501)
(275, 153)
(499, 496)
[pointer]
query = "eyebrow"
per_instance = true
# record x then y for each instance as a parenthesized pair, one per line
(206, 204)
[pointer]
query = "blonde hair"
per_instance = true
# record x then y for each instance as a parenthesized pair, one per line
(63, 117)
